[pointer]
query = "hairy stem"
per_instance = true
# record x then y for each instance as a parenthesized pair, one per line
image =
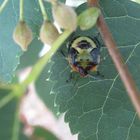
(21, 14)
(45, 17)
(118, 61)
(3, 5)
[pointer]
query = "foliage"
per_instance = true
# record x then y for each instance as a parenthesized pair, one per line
(100, 109)
(95, 109)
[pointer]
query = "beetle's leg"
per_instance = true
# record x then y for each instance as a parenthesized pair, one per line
(70, 77)
(63, 54)
(99, 74)
(96, 76)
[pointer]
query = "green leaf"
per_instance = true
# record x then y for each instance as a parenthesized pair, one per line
(9, 123)
(101, 109)
(9, 51)
(44, 88)
(41, 133)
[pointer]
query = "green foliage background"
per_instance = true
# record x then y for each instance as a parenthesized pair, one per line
(95, 109)
(101, 109)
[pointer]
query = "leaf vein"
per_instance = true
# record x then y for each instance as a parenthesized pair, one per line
(102, 109)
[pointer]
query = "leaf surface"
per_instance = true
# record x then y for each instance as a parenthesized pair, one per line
(101, 109)
(10, 52)
(10, 128)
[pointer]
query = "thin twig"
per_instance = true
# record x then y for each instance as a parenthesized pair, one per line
(21, 7)
(118, 61)
(45, 17)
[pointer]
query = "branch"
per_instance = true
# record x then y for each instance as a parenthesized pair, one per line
(42, 7)
(21, 7)
(118, 61)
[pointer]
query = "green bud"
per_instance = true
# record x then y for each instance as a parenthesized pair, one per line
(65, 16)
(22, 35)
(48, 33)
(88, 18)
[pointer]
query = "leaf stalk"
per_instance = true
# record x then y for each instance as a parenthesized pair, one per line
(45, 17)
(21, 14)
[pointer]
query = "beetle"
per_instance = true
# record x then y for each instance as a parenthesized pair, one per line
(84, 55)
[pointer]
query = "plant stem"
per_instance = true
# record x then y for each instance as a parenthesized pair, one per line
(3, 5)
(21, 16)
(5, 100)
(16, 125)
(118, 61)
(45, 17)
(38, 67)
